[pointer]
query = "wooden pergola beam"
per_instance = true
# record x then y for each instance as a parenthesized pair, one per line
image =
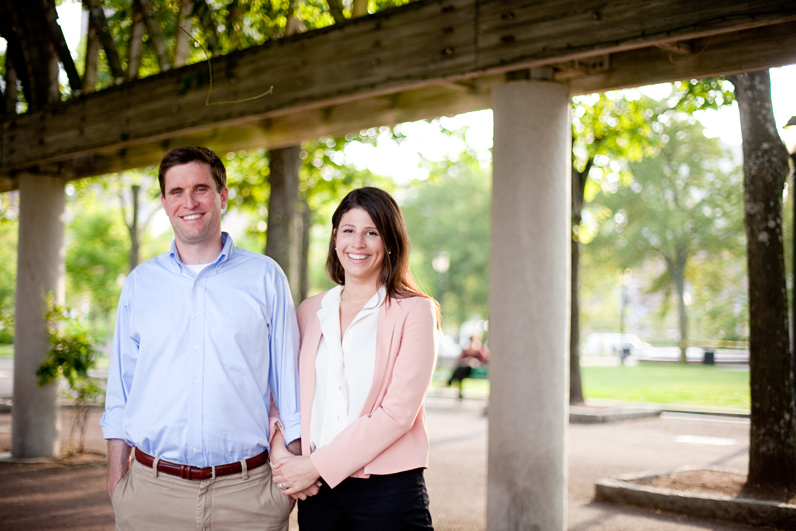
(718, 55)
(389, 67)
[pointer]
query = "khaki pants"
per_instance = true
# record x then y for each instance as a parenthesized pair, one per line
(144, 500)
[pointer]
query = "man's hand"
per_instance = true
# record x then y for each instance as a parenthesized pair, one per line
(295, 447)
(118, 463)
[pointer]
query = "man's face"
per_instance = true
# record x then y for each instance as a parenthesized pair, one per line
(193, 204)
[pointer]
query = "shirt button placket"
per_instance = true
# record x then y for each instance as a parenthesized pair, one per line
(196, 362)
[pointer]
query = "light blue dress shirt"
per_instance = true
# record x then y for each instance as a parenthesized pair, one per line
(195, 358)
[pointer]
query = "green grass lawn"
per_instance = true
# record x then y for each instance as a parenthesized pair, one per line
(692, 385)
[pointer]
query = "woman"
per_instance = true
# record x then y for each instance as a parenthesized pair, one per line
(367, 355)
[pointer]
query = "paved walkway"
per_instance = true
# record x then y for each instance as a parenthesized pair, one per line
(457, 473)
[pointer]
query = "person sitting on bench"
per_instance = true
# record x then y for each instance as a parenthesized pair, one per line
(473, 356)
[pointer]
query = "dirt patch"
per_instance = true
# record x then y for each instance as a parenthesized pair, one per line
(69, 493)
(706, 481)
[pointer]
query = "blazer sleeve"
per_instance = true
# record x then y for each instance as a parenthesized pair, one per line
(407, 384)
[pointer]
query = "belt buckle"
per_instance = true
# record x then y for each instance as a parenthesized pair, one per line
(191, 472)
(198, 472)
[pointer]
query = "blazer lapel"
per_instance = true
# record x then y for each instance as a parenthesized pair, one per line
(309, 349)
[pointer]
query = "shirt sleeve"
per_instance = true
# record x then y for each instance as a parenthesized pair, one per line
(283, 347)
(124, 353)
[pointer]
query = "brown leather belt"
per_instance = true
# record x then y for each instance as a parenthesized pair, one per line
(199, 472)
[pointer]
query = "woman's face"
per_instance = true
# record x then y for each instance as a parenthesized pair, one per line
(359, 247)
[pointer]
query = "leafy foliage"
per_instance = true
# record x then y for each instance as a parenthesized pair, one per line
(8, 279)
(450, 213)
(680, 207)
(72, 354)
(97, 255)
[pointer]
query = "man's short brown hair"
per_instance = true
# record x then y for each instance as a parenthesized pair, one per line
(186, 154)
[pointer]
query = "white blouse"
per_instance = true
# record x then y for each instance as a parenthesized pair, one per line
(343, 369)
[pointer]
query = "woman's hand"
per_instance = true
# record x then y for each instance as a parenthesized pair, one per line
(297, 476)
(278, 449)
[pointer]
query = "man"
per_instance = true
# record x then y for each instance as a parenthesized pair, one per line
(205, 335)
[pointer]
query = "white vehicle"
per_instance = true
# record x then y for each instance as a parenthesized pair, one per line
(609, 344)
(447, 347)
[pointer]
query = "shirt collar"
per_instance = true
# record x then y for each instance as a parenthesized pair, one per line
(377, 299)
(333, 296)
(227, 250)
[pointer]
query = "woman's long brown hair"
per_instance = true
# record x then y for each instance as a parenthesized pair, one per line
(386, 215)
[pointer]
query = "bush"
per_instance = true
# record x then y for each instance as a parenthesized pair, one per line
(72, 354)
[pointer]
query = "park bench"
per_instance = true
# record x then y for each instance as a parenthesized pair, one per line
(709, 346)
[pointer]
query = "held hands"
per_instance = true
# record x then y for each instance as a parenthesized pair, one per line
(296, 476)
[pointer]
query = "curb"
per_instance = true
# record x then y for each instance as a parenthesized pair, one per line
(714, 412)
(620, 490)
(599, 415)
(672, 408)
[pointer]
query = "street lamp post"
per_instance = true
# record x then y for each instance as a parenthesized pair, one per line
(624, 348)
(441, 263)
(790, 142)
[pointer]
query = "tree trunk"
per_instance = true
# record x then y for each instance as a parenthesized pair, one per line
(135, 46)
(94, 8)
(677, 273)
(306, 225)
(26, 28)
(133, 225)
(92, 56)
(293, 22)
(360, 8)
(336, 10)
(61, 48)
(10, 104)
(575, 385)
(135, 234)
(183, 39)
(155, 35)
(282, 240)
(772, 439)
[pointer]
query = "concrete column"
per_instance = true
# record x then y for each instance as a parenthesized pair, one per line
(529, 307)
(36, 421)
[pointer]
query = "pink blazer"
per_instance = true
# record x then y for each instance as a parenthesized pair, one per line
(390, 434)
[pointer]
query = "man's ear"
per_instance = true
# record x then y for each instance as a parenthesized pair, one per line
(224, 197)
(163, 201)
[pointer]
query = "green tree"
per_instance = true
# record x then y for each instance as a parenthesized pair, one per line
(72, 355)
(9, 224)
(449, 213)
(720, 300)
(326, 176)
(677, 204)
(608, 131)
(97, 257)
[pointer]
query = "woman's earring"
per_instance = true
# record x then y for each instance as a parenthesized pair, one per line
(389, 252)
